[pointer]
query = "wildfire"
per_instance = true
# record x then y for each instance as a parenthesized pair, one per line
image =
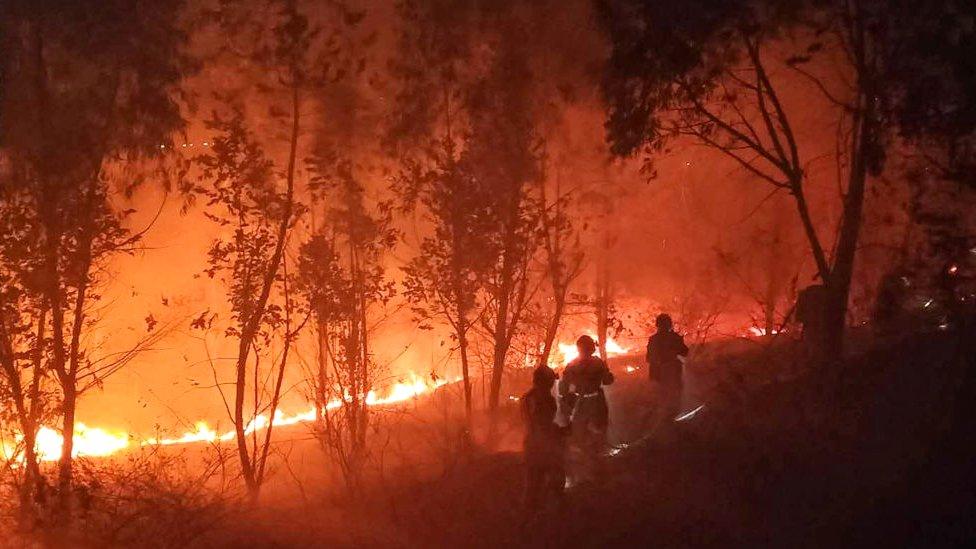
(569, 352)
(88, 441)
(95, 442)
(759, 332)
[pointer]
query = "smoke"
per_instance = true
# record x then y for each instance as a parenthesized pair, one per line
(700, 238)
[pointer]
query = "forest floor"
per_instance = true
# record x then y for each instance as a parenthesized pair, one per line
(878, 451)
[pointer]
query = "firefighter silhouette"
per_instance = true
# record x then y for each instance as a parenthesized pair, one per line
(545, 443)
(582, 400)
(666, 351)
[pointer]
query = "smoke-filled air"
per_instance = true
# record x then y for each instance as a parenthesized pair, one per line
(507, 273)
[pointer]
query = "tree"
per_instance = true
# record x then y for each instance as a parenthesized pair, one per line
(468, 93)
(599, 208)
(444, 279)
(96, 89)
(25, 387)
(291, 60)
(563, 260)
(701, 70)
(504, 153)
(426, 133)
(243, 197)
(931, 81)
(342, 275)
(764, 266)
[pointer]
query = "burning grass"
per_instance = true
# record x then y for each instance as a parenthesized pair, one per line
(100, 442)
(764, 460)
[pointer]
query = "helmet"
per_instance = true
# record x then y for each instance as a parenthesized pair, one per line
(586, 342)
(543, 375)
(663, 322)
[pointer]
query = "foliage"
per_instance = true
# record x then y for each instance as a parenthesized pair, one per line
(91, 105)
(715, 86)
(342, 276)
(292, 58)
(241, 199)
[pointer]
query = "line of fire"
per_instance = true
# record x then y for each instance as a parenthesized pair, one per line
(482, 273)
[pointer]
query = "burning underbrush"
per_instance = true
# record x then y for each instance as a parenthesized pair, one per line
(97, 442)
(759, 464)
(165, 490)
(94, 442)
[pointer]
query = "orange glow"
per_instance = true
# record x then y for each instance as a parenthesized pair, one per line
(95, 442)
(88, 442)
(569, 352)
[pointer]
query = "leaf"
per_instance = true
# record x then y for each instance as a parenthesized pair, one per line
(201, 322)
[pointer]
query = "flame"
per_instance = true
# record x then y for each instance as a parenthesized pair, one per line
(96, 442)
(203, 433)
(570, 353)
(88, 441)
(402, 391)
(759, 332)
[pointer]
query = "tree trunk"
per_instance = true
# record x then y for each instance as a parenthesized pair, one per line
(502, 338)
(321, 384)
(34, 398)
(239, 395)
(51, 219)
(504, 326)
(463, 349)
(602, 311)
(59, 360)
(69, 375)
(461, 322)
(560, 275)
(810, 230)
(839, 286)
(70, 382)
(275, 400)
(249, 329)
(32, 475)
(65, 470)
(23, 407)
(553, 327)
(365, 380)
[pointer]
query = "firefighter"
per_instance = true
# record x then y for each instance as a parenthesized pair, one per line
(544, 442)
(583, 401)
(666, 351)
